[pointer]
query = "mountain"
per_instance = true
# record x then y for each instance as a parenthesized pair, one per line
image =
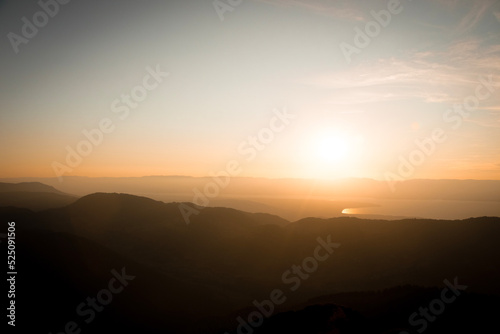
(295, 199)
(177, 187)
(33, 195)
(386, 311)
(374, 254)
(199, 277)
(25, 187)
(69, 270)
(316, 319)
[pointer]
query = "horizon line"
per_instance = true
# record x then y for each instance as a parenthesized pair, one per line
(245, 177)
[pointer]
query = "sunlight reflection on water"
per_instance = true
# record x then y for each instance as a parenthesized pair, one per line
(349, 211)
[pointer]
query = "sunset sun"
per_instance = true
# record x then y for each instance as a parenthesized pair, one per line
(333, 152)
(332, 148)
(335, 147)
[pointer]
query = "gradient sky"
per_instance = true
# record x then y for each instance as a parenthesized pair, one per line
(226, 77)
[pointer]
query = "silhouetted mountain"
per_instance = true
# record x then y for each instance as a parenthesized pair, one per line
(199, 277)
(33, 195)
(317, 319)
(65, 270)
(35, 187)
(257, 188)
(375, 254)
(295, 199)
(386, 311)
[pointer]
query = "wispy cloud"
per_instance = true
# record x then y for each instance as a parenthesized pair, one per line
(469, 12)
(458, 17)
(441, 76)
(474, 15)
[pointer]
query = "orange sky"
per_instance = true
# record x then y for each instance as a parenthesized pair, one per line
(170, 89)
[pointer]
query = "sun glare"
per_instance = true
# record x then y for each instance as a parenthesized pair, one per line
(333, 148)
(333, 153)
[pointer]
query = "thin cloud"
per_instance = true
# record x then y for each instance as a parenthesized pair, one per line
(474, 16)
(445, 76)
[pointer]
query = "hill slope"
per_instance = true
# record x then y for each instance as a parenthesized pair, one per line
(212, 270)
(33, 195)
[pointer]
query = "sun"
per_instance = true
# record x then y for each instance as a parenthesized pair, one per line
(333, 153)
(332, 147)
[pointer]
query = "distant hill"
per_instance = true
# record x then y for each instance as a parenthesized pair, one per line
(33, 195)
(261, 188)
(385, 253)
(35, 187)
(199, 277)
(294, 199)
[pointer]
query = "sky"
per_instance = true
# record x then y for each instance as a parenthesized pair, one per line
(262, 88)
